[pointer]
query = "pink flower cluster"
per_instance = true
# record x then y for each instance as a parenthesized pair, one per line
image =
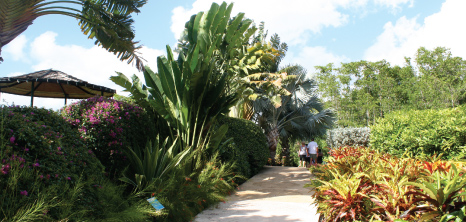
(5, 169)
(107, 127)
(13, 160)
(23, 193)
(97, 113)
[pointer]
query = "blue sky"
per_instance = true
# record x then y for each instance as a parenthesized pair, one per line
(317, 31)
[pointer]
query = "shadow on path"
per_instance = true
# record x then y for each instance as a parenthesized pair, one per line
(275, 194)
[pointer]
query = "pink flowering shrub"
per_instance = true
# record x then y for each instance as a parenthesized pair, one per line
(40, 150)
(109, 126)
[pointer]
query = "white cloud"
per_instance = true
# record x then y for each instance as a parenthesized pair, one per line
(309, 57)
(442, 29)
(294, 20)
(291, 21)
(395, 3)
(16, 48)
(94, 65)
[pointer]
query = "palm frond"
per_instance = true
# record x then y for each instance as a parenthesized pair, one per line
(106, 21)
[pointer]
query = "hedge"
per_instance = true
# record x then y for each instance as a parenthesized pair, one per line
(422, 133)
(248, 146)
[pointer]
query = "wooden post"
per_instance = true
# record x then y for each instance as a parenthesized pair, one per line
(32, 94)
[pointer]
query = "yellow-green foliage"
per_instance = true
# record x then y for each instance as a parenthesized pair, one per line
(422, 133)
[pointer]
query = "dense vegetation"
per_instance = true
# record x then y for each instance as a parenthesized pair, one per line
(360, 184)
(419, 133)
(178, 163)
(360, 92)
(48, 172)
(245, 144)
(186, 96)
(108, 127)
(172, 138)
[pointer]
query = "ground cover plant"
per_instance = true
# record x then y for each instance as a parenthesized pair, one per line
(422, 133)
(109, 127)
(361, 184)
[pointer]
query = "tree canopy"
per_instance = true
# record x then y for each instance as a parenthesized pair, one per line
(362, 91)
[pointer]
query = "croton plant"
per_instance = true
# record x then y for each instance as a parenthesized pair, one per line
(361, 184)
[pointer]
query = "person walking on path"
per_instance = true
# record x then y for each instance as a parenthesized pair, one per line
(302, 155)
(313, 150)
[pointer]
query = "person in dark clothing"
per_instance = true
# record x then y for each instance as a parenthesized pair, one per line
(320, 157)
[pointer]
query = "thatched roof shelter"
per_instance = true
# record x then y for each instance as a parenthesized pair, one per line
(52, 84)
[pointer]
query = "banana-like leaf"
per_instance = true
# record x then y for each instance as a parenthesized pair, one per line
(217, 137)
(137, 92)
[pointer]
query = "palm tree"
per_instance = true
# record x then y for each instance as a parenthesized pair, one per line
(106, 21)
(300, 115)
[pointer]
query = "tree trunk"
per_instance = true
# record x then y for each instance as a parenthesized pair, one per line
(285, 150)
(272, 140)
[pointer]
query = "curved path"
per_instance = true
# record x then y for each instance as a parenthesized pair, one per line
(275, 194)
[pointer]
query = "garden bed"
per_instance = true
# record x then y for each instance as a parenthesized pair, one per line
(360, 184)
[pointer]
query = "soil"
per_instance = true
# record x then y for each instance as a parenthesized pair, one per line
(275, 194)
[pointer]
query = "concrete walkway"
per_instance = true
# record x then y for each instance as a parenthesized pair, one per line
(275, 194)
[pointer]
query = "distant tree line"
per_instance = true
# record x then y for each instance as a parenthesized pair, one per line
(360, 92)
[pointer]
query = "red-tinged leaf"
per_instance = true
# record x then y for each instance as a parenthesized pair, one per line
(327, 192)
(378, 203)
(353, 214)
(342, 214)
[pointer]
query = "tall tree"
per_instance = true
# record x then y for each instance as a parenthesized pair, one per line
(107, 21)
(333, 89)
(362, 91)
(442, 76)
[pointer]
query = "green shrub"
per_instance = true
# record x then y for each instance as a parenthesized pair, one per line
(41, 157)
(422, 133)
(248, 147)
(340, 137)
(108, 126)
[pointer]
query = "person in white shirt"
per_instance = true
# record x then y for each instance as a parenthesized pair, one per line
(313, 150)
(302, 155)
